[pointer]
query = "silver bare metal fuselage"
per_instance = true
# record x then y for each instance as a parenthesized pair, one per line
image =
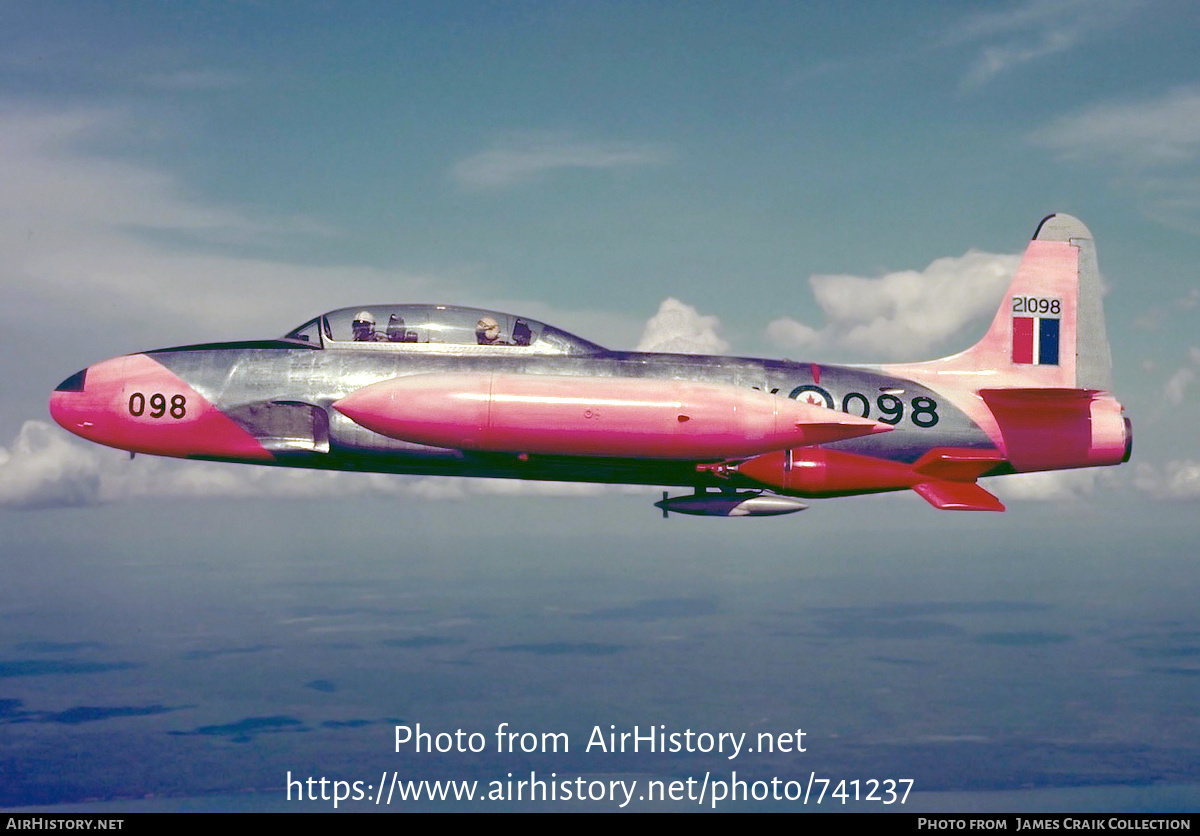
(282, 394)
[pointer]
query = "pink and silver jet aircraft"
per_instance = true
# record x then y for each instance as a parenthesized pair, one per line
(433, 389)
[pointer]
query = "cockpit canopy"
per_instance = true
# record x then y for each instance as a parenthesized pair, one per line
(436, 329)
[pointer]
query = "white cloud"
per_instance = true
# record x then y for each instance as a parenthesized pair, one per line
(1022, 34)
(1177, 385)
(679, 328)
(1149, 149)
(1182, 479)
(107, 243)
(998, 59)
(524, 157)
(1178, 479)
(904, 314)
(1160, 131)
(73, 230)
(46, 468)
(1048, 486)
(787, 333)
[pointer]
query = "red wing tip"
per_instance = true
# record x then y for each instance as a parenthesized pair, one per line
(958, 496)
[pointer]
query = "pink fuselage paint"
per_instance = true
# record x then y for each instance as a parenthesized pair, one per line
(622, 417)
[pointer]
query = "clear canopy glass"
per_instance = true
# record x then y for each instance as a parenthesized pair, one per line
(436, 328)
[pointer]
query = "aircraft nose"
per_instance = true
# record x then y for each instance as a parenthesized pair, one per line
(135, 403)
(75, 404)
(63, 402)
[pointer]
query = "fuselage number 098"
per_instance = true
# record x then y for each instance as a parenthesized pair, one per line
(890, 408)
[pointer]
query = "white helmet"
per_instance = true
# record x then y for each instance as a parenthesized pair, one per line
(363, 327)
(487, 328)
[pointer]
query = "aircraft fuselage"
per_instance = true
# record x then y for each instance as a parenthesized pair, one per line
(464, 392)
(282, 395)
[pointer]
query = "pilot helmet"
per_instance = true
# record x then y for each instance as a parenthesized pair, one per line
(395, 328)
(522, 333)
(363, 325)
(487, 329)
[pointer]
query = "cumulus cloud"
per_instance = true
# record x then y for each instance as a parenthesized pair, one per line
(520, 158)
(905, 313)
(681, 329)
(787, 333)
(45, 468)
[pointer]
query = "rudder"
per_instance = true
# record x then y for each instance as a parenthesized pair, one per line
(1093, 358)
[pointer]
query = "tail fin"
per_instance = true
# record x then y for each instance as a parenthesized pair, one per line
(1049, 331)
(1039, 383)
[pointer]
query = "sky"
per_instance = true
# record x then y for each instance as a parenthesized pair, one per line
(813, 181)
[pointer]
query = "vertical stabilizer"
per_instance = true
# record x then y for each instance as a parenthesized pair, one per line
(1049, 331)
(1039, 383)
(1093, 360)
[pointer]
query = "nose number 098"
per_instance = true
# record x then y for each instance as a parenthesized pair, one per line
(158, 405)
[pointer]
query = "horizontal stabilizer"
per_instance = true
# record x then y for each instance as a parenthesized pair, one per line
(1050, 429)
(1037, 398)
(958, 496)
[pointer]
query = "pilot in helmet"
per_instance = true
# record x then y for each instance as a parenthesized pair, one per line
(487, 331)
(396, 331)
(363, 327)
(522, 333)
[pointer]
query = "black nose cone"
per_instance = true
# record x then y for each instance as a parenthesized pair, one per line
(74, 383)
